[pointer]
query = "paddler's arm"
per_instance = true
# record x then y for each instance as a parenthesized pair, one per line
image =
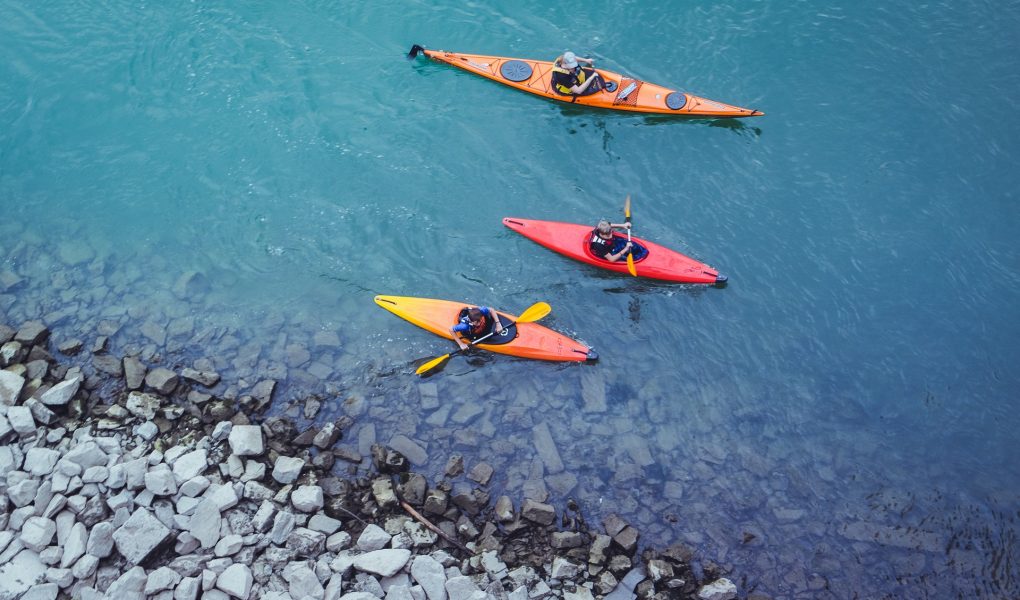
(623, 252)
(497, 324)
(455, 333)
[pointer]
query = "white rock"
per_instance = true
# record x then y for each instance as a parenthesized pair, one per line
(246, 440)
(373, 538)
(129, 585)
(194, 486)
(228, 545)
(399, 592)
(37, 533)
(223, 495)
(338, 541)
(720, 589)
(61, 393)
(187, 589)
(303, 582)
(74, 545)
(287, 469)
(307, 498)
(10, 387)
(160, 481)
(23, 493)
(359, 596)
(85, 567)
(163, 578)
(21, 573)
(190, 465)
(235, 580)
(563, 569)
(147, 431)
(97, 474)
(100, 542)
(20, 418)
(430, 575)
(46, 591)
(140, 535)
(384, 563)
(205, 523)
(221, 431)
(40, 461)
(327, 525)
(86, 455)
(461, 588)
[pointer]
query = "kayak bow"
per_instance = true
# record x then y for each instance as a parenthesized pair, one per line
(526, 340)
(571, 240)
(622, 92)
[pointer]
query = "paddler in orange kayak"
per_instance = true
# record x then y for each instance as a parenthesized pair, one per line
(570, 79)
(475, 322)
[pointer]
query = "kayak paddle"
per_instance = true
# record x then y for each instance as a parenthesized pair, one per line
(533, 313)
(630, 255)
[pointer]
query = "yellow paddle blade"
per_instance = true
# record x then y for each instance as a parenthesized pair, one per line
(626, 207)
(534, 312)
(630, 265)
(432, 364)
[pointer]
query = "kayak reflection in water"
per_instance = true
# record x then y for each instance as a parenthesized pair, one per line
(604, 244)
(570, 79)
(475, 322)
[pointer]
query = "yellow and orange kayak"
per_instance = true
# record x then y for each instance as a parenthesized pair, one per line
(527, 340)
(622, 92)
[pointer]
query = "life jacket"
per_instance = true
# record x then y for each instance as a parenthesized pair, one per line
(575, 76)
(474, 331)
(600, 246)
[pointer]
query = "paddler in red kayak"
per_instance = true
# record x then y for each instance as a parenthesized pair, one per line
(604, 244)
(475, 322)
(570, 79)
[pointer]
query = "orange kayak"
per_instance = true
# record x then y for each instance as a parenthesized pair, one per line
(527, 340)
(622, 92)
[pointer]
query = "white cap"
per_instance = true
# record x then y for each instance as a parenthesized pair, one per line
(569, 59)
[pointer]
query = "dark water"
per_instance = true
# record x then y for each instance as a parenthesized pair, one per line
(840, 421)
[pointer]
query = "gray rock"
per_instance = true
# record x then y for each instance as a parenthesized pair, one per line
(482, 473)
(228, 545)
(720, 589)
(134, 372)
(384, 563)
(188, 589)
(204, 378)
(235, 580)
(40, 413)
(307, 498)
(140, 535)
(142, 405)
(327, 525)
(246, 440)
(46, 591)
(85, 567)
(504, 509)
(283, 525)
(108, 364)
(263, 392)
(410, 449)
(565, 539)
(61, 394)
(563, 569)
(23, 493)
(538, 512)
(162, 380)
(306, 543)
(87, 454)
(222, 430)
(546, 448)
(338, 541)
(32, 333)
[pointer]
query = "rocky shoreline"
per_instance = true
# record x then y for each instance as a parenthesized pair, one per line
(129, 480)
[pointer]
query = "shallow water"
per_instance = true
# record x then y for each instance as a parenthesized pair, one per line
(839, 420)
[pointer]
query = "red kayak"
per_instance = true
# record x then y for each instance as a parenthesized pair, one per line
(571, 240)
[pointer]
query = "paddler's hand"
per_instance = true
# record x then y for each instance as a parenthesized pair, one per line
(627, 225)
(628, 246)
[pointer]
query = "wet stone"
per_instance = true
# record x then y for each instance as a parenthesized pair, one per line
(204, 378)
(32, 333)
(108, 364)
(538, 512)
(454, 466)
(162, 380)
(481, 473)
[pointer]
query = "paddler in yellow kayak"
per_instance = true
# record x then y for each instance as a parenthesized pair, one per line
(475, 322)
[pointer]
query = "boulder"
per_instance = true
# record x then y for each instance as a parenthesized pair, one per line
(140, 535)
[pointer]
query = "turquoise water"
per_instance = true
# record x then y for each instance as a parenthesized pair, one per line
(840, 421)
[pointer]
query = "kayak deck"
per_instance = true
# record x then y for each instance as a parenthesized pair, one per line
(622, 93)
(571, 239)
(531, 340)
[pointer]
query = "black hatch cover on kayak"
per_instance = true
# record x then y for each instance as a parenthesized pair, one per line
(676, 100)
(515, 70)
